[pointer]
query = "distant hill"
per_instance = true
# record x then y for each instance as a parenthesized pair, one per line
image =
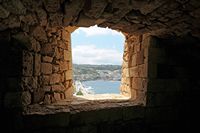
(85, 72)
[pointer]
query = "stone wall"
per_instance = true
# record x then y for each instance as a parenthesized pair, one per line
(171, 96)
(173, 82)
(35, 58)
(43, 63)
(134, 68)
(158, 17)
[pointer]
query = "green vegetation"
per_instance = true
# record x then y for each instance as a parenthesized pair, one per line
(80, 93)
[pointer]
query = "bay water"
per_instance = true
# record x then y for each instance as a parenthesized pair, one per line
(103, 87)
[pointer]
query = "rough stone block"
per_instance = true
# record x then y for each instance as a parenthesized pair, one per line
(67, 84)
(56, 68)
(72, 10)
(47, 88)
(62, 44)
(52, 5)
(141, 97)
(65, 35)
(3, 12)
(133, 60)
(68, 75)
(55, 78)
(59, 53)
(15, 6)
(62, 77)
(26, 98)
(39, 34)
(58, 88)
(85, 21)
(57, 96)
(69, 93)
(38, 95)
(27, 64)
(37, 67)
(35, 45)
(46, 68)
(142, 70)
(47, 99)
(13, 21)
(42, 16)
(126, 72)
(29, 83)
(95, 8)
(45, 80)
(29, 19)
(70, 65)
(67, 55)
(133, 94)
(55, 19)
(47, 59)
(140, 57)
(63, 65)
(133, 72)
(139, 83)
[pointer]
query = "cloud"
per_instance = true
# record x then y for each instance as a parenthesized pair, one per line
(90, 54)
(94, 31)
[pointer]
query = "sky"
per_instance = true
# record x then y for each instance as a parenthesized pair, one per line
(95, 45)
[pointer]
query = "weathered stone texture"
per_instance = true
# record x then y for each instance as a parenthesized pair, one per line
(68, 75)
(29, 83)
(95, 8)
(134, 68)
(39, 34)
(162, 74)
(47, 49)
(27, 63)
(46, 68)
(26, 98)
(52, 5)
(72, 10)
(3, 12)
(15, 6)
(42, 16)
(58, 88)
(38, 95)
(37, 67)
(47, 59)
(55, 78)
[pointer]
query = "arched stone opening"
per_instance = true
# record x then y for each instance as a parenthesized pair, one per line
(34, 34)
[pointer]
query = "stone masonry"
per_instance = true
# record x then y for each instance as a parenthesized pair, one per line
(47, 66)
(134, 68)
(160, 71)
(40, 27)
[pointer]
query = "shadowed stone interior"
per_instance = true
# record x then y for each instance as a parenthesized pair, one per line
(160, 69)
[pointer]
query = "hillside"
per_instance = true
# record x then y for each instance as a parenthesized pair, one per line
(85, 72)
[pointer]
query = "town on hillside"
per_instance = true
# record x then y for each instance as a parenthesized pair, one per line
(86, 72)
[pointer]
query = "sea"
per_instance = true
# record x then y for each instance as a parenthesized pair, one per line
(103, 87)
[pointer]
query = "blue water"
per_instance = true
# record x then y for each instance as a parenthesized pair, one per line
(102, 87)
